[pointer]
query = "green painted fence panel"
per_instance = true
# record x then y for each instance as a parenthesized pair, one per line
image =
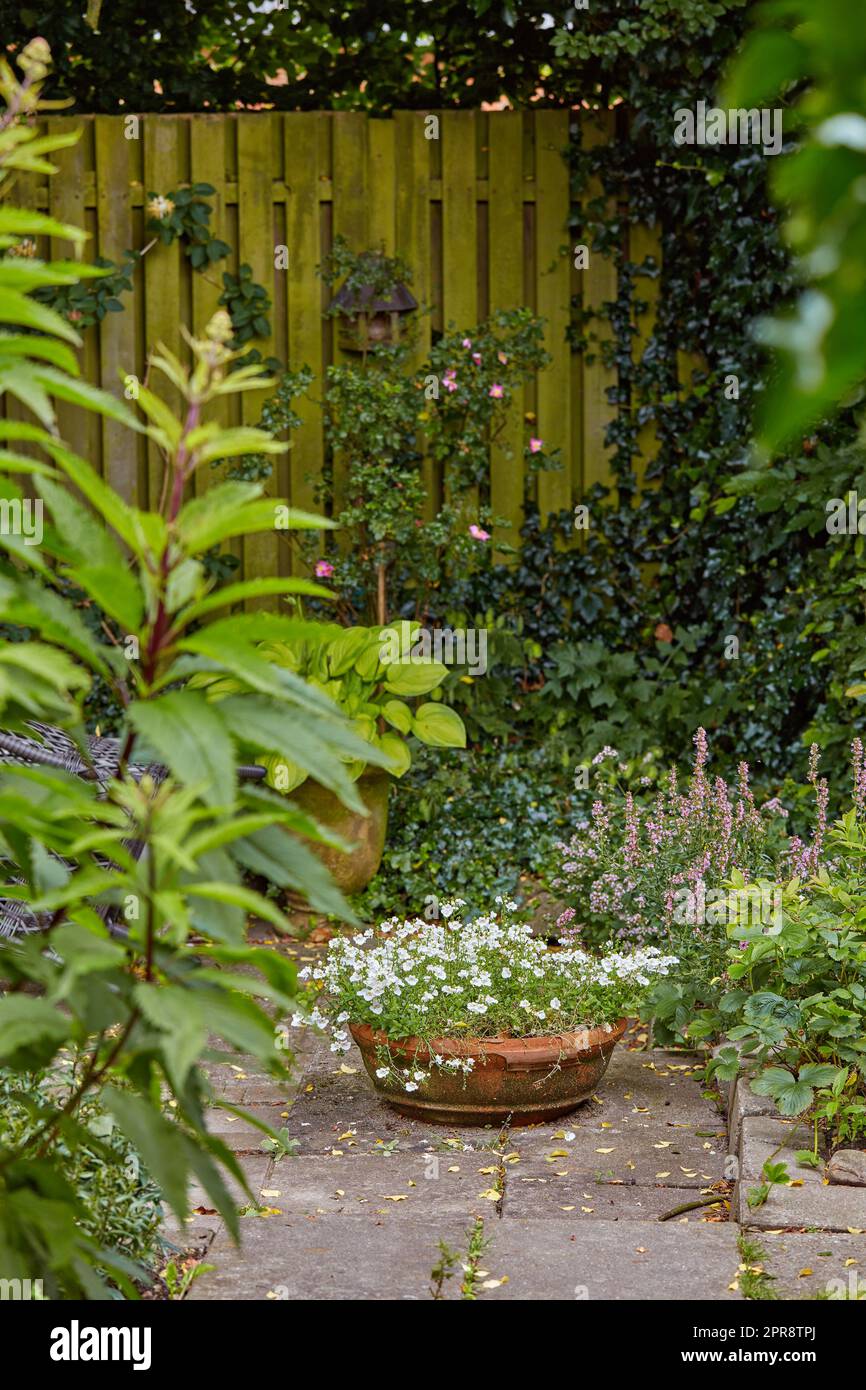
(478, 205)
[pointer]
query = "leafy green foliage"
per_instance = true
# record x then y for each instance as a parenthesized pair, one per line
(369, 673)
(137, 880)
(813, 62)
(119, 1204)
(186, 218)
(796, 997)
(483, 826)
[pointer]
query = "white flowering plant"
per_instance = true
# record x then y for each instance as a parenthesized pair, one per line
(489, 978)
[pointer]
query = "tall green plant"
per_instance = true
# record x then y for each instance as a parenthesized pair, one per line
(135, 1005)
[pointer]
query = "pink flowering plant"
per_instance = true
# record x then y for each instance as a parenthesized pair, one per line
(637, 869)
(693, 869)
(670, 869)
(485, 978)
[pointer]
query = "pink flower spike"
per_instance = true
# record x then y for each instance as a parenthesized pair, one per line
(324, 569)
(467, 342)
(536, 445)
(478, 533)
(496, 391)
(476, 358)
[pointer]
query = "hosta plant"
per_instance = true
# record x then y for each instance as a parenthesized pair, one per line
(490, 978)
(371, 674)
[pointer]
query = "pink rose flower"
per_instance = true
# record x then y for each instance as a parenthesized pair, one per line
(536, 445)
(324, 569)
(496, 391)
(478, 533)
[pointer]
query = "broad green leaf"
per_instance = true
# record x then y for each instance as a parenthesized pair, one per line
(439, 726)
(192, 740)
(29, 313)
(24, 222)
(396, 748)
(31, 1031)
(116, 590)
(253, 588)
(398, 715)
(160, 1144)
(415, 678)
(176, 1013)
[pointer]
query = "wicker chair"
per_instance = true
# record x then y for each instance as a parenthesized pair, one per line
(53, 748)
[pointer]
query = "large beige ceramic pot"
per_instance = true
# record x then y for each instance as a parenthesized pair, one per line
(351, 872)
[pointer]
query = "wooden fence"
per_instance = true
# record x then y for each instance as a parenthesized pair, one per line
(480, 212)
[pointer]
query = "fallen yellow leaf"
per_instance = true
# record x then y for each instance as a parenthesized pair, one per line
(400, 1197)
(491, 1195)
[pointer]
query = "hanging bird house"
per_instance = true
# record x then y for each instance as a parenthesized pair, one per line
(369, 316)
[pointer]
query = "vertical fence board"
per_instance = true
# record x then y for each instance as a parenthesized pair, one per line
(66, 203)
(505, 261)
(351, 221)
(459, 232)
(599, 288)
(117, 346)
(552, 298)
(207, 158)
(480, 214)
(301, 132)
(383, 176)
(412, 170)
(162, 272)
(256, 249)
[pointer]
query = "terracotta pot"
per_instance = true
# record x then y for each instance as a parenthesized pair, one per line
(526, 1081)
(351, 872)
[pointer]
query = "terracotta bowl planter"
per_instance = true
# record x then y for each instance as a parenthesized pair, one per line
(351, 872)
(526, 1081)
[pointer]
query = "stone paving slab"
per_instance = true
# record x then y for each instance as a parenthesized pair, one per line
(597, 1201)
(790, 1257)
(367, 1186)
(240, 1135)
(331, 1257)
(812, 1203)
(592, 1260)
(639, 1151)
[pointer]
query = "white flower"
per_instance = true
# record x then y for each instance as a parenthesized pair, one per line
(555, 1004)
(381, 1072)
(410, 1086)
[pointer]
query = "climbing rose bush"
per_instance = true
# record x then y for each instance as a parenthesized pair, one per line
(484, 979)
